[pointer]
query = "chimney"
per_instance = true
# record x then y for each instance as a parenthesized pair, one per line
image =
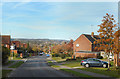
(92, 34)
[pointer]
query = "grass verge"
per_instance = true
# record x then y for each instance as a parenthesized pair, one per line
(112, 72)
(55, 66)
(50, 63)
(75, 73)
(16, 64)
(75, 63)
(5, 73)
(71, 63)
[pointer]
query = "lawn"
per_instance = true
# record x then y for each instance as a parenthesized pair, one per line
(75, 63)
(5, 73)
(75, 73)
(71, 63)
(16, 64)
(104, 71)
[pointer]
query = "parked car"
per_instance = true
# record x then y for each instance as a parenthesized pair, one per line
(47, 55)
(41, 53)
(94, 62)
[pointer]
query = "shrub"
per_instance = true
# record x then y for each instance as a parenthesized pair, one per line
(99, 57)
(78, 58)
(5, 54)
(63, 56)
(30, 54)
(70, 59)
(55, 55)
(15, 55)
(68, 55)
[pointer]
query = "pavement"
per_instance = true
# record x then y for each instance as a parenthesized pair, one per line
(37, 66)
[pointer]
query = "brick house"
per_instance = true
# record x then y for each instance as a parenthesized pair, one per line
(83, 46)
(6, 41)
(24, 45)
(16, 43)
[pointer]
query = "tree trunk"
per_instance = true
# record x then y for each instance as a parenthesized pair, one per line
(116, 59)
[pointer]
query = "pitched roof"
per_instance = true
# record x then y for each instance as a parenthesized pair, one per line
(5, 39)
(92, 39)
(17, 43)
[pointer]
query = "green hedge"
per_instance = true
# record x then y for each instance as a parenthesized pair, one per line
(60, 55)
(5, 54)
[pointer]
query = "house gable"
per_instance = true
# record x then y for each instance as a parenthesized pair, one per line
(84, 44)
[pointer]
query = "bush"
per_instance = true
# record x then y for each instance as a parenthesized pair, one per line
(99, 57)
(70, 59)
(68, 55)
(78, 58)
(55, 55)
(15, 55)
(63, 56)
(5, 54)
(30, 54)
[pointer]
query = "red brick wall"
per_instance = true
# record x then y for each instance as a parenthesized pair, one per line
(6, 40)
(90, 55)
(8, 46)
(24, 45)
(84, 44)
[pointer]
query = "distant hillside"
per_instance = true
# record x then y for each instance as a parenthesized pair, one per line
(40, 41)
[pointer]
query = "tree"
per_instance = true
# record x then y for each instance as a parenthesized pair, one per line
(35, 49)
(70, 47)
(106, 33)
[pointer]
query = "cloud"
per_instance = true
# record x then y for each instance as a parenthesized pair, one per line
(21, 3)
(61, 0)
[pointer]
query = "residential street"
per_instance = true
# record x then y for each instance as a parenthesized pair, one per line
(37, 67)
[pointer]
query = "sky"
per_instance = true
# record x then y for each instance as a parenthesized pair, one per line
(54, 20)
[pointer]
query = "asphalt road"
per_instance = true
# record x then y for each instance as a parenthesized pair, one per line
(37, 67)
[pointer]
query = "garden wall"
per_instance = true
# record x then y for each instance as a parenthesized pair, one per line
(86, 55)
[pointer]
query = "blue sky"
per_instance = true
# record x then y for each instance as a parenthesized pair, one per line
(54, 20)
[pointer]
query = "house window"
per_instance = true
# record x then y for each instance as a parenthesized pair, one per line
(77, 45)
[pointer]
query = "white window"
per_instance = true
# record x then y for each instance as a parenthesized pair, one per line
(77, 45)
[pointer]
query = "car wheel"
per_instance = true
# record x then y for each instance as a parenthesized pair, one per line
(104, 65)
(87, 65)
